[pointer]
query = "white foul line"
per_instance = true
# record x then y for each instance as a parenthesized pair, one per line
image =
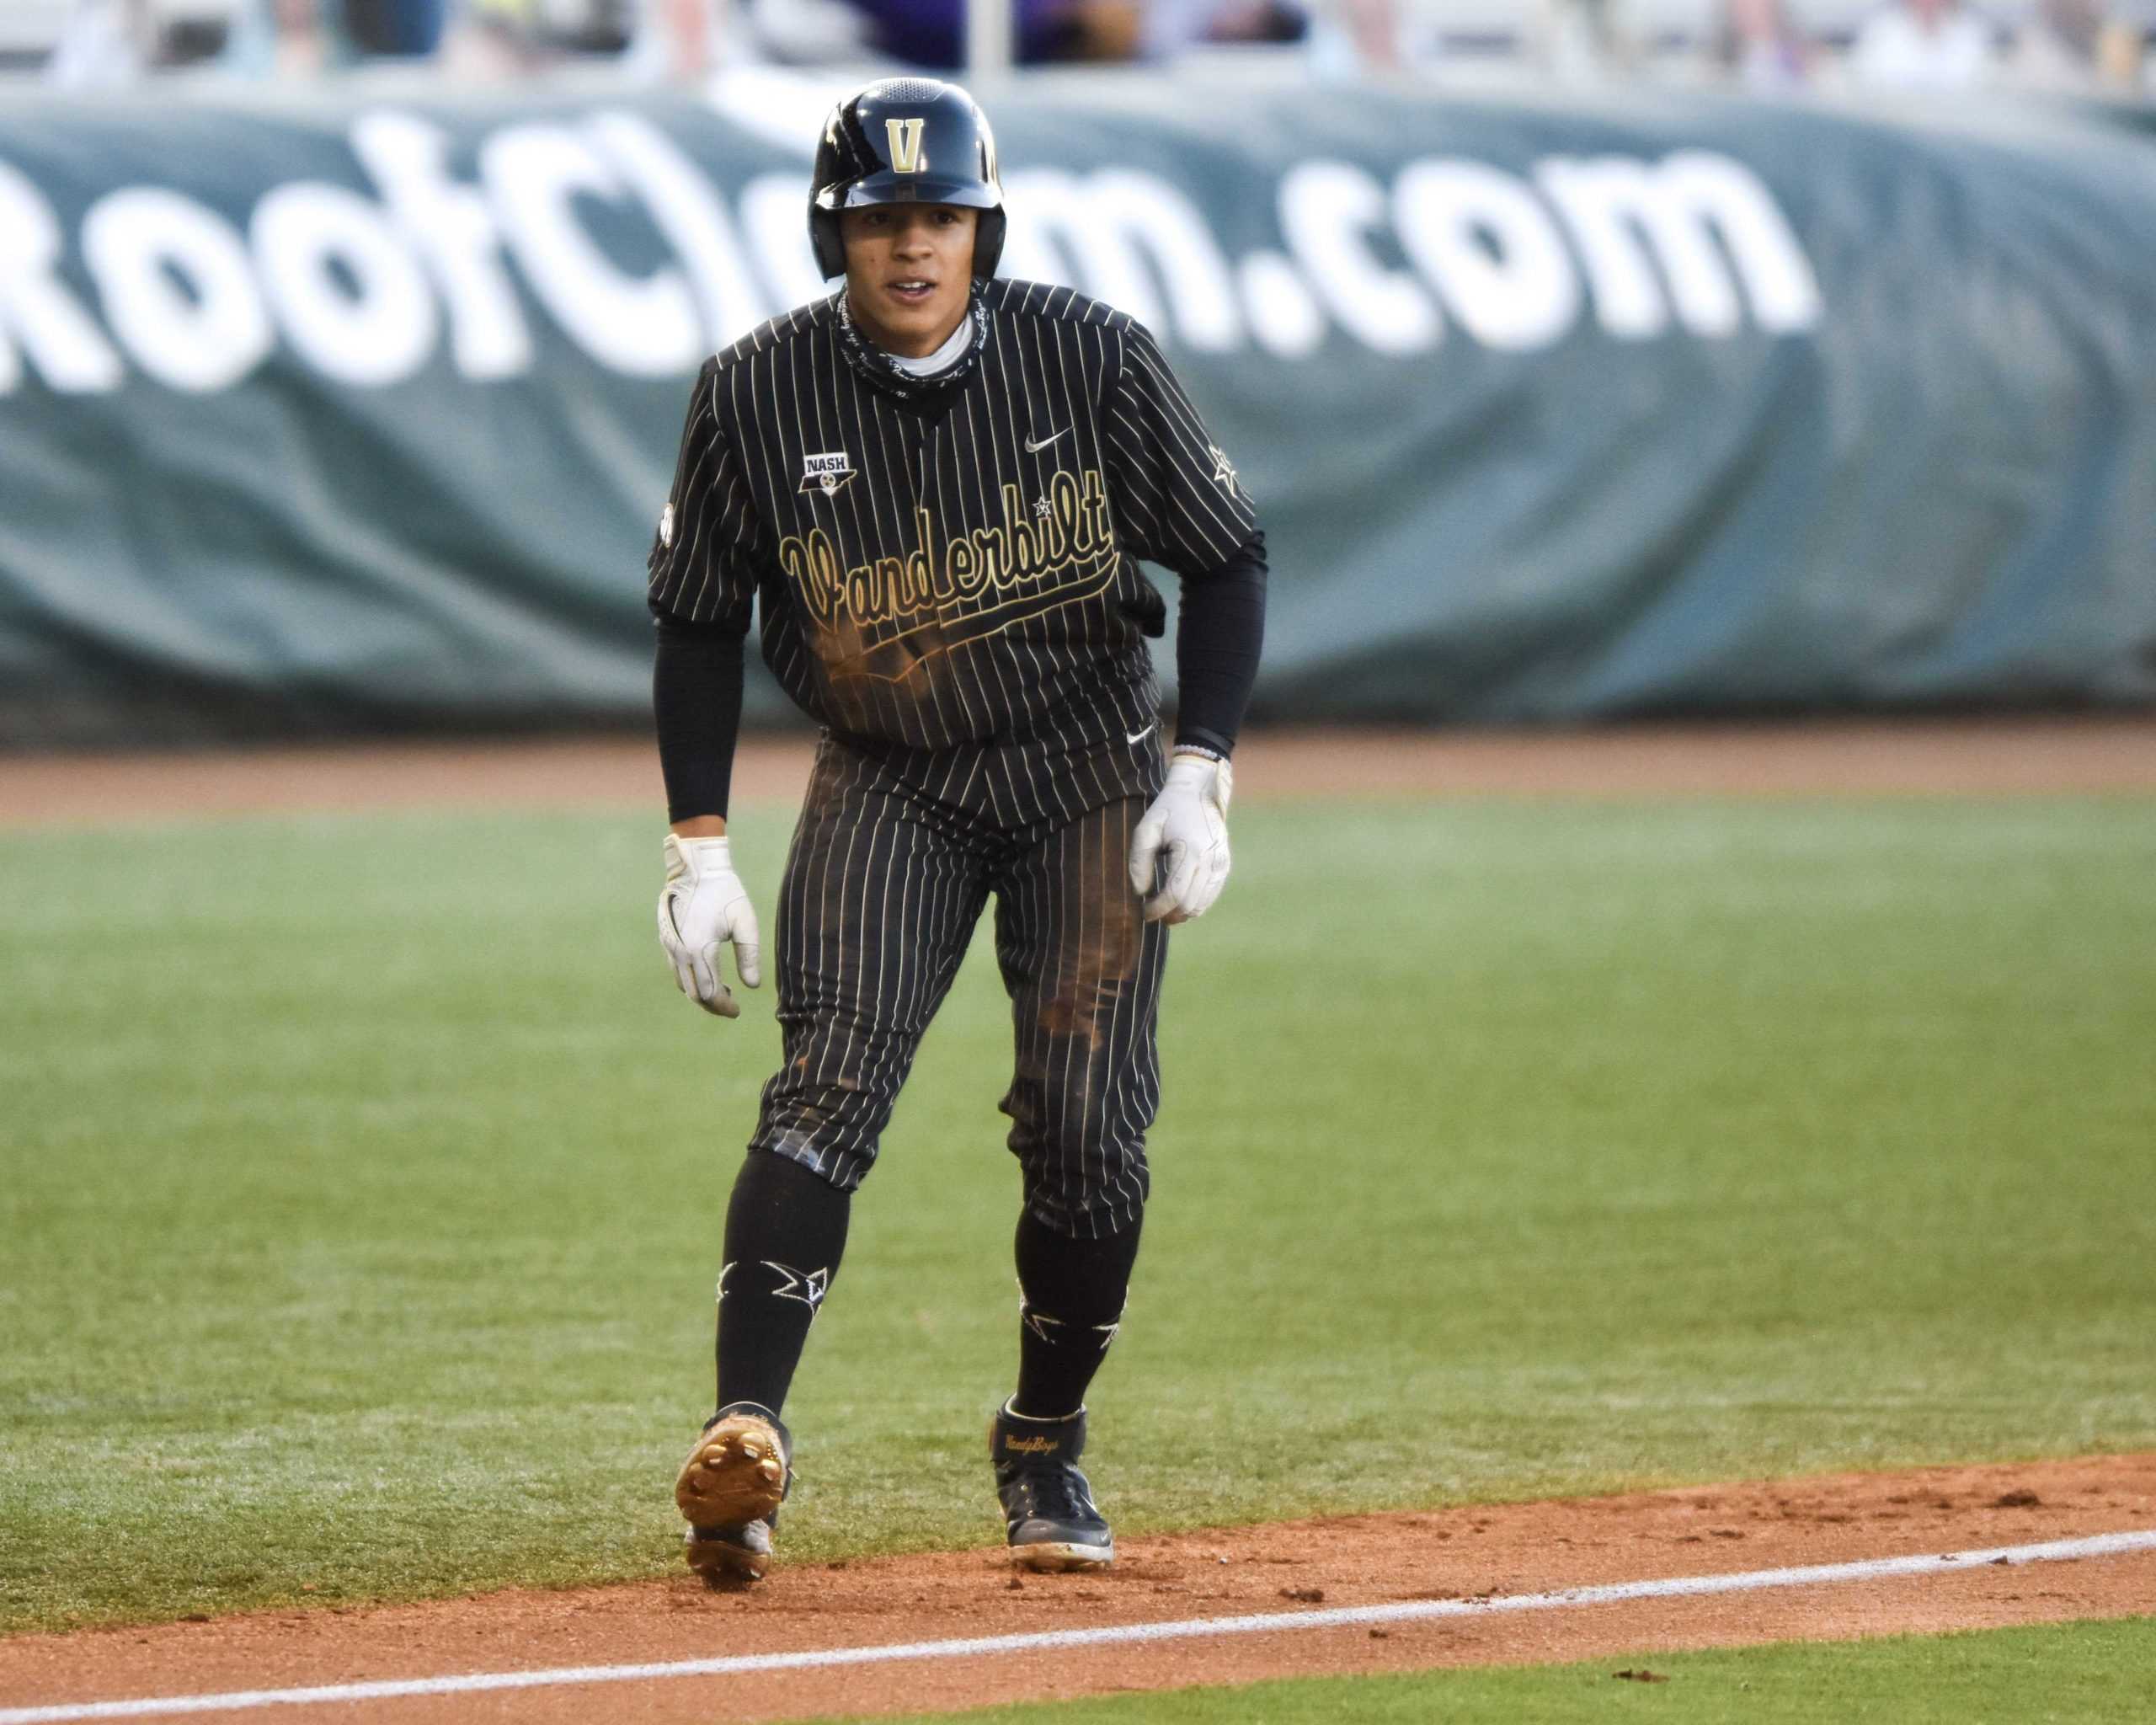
(2108, 1544)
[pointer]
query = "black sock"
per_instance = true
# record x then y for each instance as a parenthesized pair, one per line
(785, 1234)
(1073, 1292)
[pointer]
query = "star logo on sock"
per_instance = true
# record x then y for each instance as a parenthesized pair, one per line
(808, 1286)
(1039, 1323)
(1106, 1332)
(724, 1271)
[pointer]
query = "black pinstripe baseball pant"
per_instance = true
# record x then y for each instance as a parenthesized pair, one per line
(884, 886)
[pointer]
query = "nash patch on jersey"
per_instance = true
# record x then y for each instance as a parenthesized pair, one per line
(826, 472)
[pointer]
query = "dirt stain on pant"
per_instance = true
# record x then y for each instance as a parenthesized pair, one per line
(1104, 926)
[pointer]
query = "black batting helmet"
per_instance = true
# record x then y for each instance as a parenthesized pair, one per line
(906, 141)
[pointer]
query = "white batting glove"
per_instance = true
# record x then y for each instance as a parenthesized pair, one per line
(702, 906)
(1181, 847)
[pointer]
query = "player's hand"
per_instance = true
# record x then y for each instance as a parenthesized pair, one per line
(702, 906)
(1179, 854)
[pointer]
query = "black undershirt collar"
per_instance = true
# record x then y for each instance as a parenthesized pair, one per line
(934, 391)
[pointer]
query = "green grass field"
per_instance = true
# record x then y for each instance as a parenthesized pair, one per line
(2081, 1674)
(362, 1181)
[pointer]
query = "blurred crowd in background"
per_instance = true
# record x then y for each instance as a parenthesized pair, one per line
(2090, 46)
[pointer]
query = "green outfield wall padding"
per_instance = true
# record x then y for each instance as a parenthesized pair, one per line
(361, 419)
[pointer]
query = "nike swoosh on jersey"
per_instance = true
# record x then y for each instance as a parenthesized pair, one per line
(1140, 736)
(1034, 446)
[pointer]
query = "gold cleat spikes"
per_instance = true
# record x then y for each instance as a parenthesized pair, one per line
(734, 1475)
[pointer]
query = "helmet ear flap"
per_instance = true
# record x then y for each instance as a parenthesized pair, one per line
(988, 242)
(829, 247)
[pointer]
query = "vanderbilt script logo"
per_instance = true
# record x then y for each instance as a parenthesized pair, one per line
(1068, 553)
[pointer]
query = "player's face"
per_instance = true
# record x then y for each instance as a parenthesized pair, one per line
(909, 272)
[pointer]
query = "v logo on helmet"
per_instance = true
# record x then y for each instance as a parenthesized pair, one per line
(905, 145)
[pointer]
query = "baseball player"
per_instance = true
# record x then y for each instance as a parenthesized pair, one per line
(934, 487)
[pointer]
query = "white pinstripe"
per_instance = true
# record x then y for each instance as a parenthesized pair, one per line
(1047, 349)
(859, 978)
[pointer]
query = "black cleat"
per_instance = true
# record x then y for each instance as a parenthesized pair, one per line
(729, 1491)
(1049, 1511)
(724, 1554)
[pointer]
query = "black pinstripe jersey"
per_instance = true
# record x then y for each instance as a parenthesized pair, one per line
(961, 566)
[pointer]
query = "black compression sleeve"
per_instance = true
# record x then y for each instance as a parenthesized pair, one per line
(695, 698)
(1219, 635)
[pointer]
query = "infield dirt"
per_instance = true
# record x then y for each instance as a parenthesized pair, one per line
(1466, 1553)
